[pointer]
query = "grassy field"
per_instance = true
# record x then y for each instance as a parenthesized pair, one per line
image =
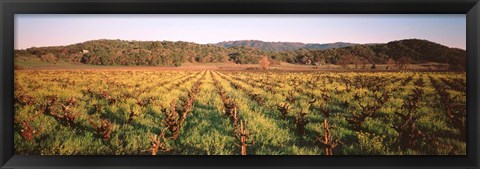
(219, 112)
(37, 64)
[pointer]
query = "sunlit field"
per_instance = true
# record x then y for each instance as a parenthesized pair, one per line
(213, 112)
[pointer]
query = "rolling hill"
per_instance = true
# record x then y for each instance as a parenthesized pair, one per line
(121, 52)
(282, 46)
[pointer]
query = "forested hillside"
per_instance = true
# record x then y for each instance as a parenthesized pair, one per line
(120, 52)
(416, 51)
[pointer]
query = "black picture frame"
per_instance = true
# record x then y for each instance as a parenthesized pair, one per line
(9, 8)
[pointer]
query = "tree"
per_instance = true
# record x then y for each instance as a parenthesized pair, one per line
(403, 62)
(49, 57)
(390, 63)
(177, 62)
(344, 61)
(356, 60)
(351, 59)
(264, 62)
(364, 63)
(235, 57)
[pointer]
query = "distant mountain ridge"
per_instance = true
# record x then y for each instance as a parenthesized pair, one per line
(283, 46)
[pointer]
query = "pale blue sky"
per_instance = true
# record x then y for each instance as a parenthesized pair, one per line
(36, 30)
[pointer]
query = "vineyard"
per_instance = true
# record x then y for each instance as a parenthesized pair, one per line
(129, 112)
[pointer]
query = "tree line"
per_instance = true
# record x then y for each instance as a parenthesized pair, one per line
(167, 53)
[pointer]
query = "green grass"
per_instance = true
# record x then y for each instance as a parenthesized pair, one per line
(207, 130)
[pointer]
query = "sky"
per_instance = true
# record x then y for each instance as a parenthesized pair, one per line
(38, 30)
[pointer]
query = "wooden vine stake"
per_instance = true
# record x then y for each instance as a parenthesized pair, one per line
(157, 142)
(284, 109)
(300, 122)
(172, 120)
(327, 140)
(243, 136)
(103, 130)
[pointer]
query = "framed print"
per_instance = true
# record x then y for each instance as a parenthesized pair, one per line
(254, 84)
